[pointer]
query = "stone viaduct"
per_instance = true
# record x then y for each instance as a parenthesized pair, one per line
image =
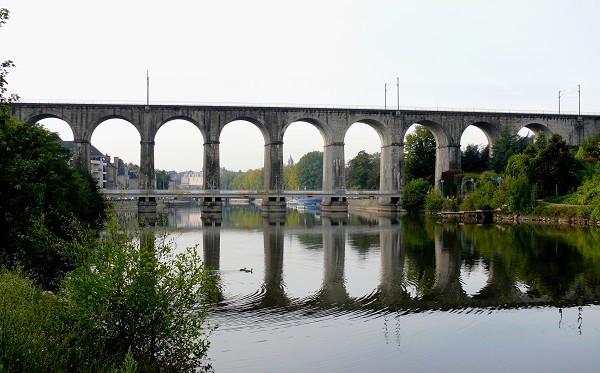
(333, 123)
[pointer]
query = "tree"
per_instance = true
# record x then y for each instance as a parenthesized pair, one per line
(135, 294)
(475, 159)
(227, 178)
(415, 192)
(419, 155)
(554, 167)
(506, 145)
(290, 177)
(4, 66)
(249, 180)
(362, 171)
(310, 171)
(162, 179)
(42, 199)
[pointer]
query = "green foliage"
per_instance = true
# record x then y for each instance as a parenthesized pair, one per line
(290, 177)
(310, 171)
(42, 199)
(520, 165)
(434, 201)
(506, 145)
(137, 304)
(415, 192)
(589, 150)
(138, 293)
(419, 155)
(249, 180)
(4, 66)
(227, 178)
(362, 171)
(553, 167)
(520, 195)
(475, 159)
(33, 334)
(162, 179)
(450, 204)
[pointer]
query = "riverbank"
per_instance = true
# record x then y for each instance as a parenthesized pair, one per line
(548, 213)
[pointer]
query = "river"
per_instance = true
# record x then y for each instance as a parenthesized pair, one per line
(368, 293)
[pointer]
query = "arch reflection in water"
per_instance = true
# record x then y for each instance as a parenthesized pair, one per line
(421, 265)
(422, 302)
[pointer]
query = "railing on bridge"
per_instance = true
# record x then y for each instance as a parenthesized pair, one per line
(246, 193)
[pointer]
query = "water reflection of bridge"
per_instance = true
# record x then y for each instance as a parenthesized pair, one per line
(406, 283)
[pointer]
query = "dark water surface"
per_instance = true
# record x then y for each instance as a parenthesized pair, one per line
(379, 294)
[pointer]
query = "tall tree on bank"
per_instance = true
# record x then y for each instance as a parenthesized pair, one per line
(310, 171)
(475, 159)
(507, 145)
(419, 155)
(42, 198)
(363, 171)
(554, 166)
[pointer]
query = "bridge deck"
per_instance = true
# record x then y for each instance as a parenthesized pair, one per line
(246, 193)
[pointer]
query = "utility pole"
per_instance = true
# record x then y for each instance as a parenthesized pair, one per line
(579, 94)
(558, 102)
(385, 97)
(398, 91)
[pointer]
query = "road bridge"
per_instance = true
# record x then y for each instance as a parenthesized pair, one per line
(447, 127)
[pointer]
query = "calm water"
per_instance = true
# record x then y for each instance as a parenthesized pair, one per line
(378, 294)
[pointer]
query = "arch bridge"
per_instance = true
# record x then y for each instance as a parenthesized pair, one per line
(447, 127)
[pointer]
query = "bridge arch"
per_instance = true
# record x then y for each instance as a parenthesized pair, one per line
(366, 135)
(333, 150)
(185, 118)
(299, 139)
(179, 141)
(318, 124)
(490, 130)
(536, 128)
(59, 126)
(447, 154)
(101, 120)
(442, 137)
(114, 138)
(258, 123)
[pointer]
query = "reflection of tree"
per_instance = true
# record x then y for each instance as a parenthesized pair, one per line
(363, 242)
(296, 219)
(420, 256)
(310, 241)
(555, 266)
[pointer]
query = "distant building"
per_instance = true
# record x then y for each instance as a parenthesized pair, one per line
(290, 161)
(109, 174)
(97, 169)
(191, 180)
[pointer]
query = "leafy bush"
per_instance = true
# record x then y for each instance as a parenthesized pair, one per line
(42, 197)
(520, 195)
(434, 200)
(137, 304)
(33, 334)
(138, 293)
(413, 199)
(450, 204)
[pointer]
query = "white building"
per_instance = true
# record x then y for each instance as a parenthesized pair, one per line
(191, 180)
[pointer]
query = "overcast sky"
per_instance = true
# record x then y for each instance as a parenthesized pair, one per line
(510, 55)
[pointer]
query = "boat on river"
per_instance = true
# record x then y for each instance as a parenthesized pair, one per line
(309, 204)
